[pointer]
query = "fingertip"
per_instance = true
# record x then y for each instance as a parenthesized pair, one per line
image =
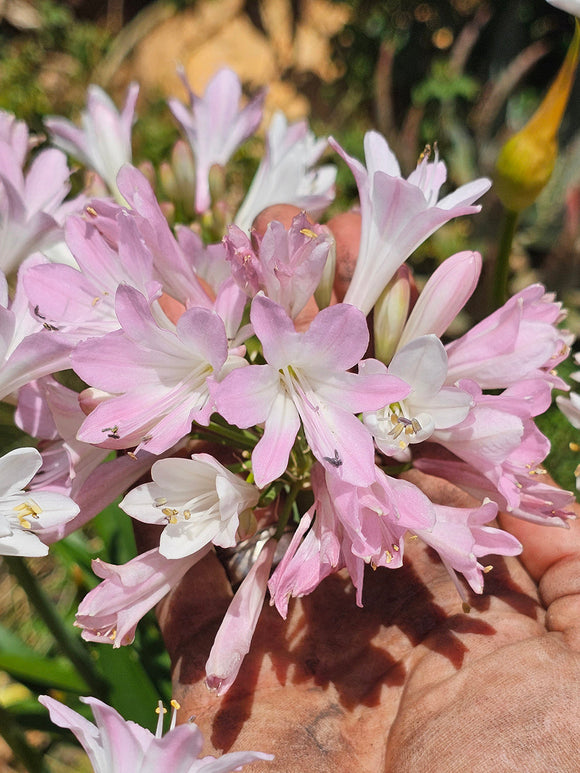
(346, 229)
(283, 213)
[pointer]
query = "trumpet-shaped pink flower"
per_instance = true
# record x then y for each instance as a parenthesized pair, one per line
(103, 142)
(215, 126)
(31, 203)
(110, 612)
(306, 378)
(234, 637)
(286, 265)
(115, 745)
(354, 526)
(80, 303)
(287, 173)
(519, 341)
(198, 500)
(398, 214)
(29, 347)
(460, 537)
(158, 378)
(24, 515)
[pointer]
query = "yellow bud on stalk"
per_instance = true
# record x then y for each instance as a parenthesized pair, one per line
(526, 161)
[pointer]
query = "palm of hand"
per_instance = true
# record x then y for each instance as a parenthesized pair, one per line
(409, 682)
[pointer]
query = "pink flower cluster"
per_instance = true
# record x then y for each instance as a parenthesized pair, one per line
(181, 341)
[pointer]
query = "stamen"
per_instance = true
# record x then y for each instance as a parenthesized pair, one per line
(160, 711)
(175, 708)
(388, 556)
(466, 608)
(308, 232)
(91, 211)
(487, 569)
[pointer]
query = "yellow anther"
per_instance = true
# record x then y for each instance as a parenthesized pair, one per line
(113, 635)
(487, 569)
(573, 446)
(175, 705)
(187, 514)
(395, 548)
(91, 211)
(388, 556)
(95, 301)
(161, 710)
(308, 232)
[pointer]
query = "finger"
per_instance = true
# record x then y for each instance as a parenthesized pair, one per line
(346, 229)
(552, 556)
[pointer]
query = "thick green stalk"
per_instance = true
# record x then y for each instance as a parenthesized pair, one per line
(499, 290)
(67, 641)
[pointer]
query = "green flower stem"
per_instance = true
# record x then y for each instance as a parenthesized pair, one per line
(14, 736)
(238, 438)
(499, 290)
(295, 489)
(68, 642)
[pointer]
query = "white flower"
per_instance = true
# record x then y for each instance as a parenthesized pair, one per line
(23, 514)
(198, 500)
(429, 406)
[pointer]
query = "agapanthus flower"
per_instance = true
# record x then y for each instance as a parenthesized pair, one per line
(32, 206)
(287, 173)
(115, 745)
(197, 500)
(215, 126)
(398, 214)
(103, 143)
(460, 537)
(110, 612)
(234, 637)
(306, 379)
(80, 302)
(430, 405)
(160, 384)
(287, 265)
(24, 515)
(29, 346)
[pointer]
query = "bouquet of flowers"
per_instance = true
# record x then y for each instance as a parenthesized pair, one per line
(255, 377)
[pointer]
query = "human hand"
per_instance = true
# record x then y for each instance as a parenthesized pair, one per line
(409, 682)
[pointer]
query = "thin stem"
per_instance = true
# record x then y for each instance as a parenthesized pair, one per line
(68, 642)
(499, 290)
(295, 489)
(239, 438)
(14, 736)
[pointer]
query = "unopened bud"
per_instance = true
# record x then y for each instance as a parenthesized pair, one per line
(323, 293)
(526, 161)
(390, 314)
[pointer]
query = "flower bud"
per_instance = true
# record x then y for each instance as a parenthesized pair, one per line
(323, 293)
(390, 315)
(526, 161)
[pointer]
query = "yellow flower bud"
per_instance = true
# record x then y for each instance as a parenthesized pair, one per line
(526, 161)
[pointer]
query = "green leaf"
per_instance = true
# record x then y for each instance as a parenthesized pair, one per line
(132, 694)
(52, 673)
